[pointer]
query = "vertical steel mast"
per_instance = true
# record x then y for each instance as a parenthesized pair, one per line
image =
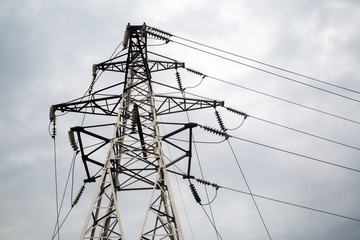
(135, 160)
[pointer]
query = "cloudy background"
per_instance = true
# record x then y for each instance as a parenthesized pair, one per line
(47, 49)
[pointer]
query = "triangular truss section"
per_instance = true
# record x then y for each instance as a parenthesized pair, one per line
(161, 219)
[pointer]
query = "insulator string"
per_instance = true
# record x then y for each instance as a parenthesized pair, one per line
(78, 196)
(220, 121)
(195, 193)
(178, 79)
(215, 131)
(73, 141)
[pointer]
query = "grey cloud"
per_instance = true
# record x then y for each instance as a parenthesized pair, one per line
(46, 53)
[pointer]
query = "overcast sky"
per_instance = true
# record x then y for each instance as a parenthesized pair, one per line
(47, 49)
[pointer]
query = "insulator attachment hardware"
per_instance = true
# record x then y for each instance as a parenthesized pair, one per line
(78, 196)
(195, 193)
(72, 140)
(215, 131)
(178, 79)
(220, 121)
(237, 112)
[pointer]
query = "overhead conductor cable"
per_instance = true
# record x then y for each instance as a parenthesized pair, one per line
(264, 64)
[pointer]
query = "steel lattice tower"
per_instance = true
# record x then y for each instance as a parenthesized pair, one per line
(135, 160)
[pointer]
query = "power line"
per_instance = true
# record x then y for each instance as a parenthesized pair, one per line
(270, 65)
(56, 193)
(291, 204)
(296, 154)
(71, 169)
(269, 72)
(212, 223)
(285, 100)
(279, 125)
(226, 136)
(244, 115)
(248, 187)
(58, 229)
(303, 132)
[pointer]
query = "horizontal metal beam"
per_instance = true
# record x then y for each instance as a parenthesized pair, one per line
(106, 106)
(172, 104)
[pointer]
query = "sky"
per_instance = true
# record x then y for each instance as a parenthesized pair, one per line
(47, 49)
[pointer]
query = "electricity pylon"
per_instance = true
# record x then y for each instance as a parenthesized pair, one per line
(135, 160)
